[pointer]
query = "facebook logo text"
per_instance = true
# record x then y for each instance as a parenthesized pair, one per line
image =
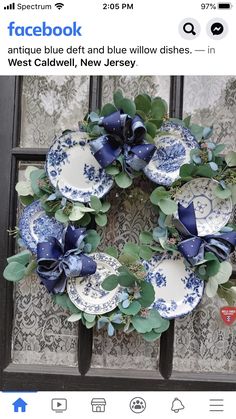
(44, 30)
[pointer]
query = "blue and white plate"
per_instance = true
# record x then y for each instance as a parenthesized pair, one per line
(72, 168)
(35, 226)
(88, 295)
(173, 150)
(177, 290)
(212, 213)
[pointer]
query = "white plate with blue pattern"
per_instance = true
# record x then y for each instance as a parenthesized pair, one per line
(173, 150)
(212, 213)
(87, 294)
(177, 290)
(73, 169)
(35, 226)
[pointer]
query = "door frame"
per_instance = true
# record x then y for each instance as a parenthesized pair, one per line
(17, 377)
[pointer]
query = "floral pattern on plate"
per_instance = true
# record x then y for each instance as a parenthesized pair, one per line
(87, 294)
(72, 168)
(173, 150)
(35, 226)
(177, 290)
(212, 213)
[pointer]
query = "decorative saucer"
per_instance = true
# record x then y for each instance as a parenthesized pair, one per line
(212, 213)
(35, 226)
(177, 290)
(72, 168)
(88, 295)
(173, 150)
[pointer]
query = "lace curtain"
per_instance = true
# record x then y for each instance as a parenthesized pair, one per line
(41, 333)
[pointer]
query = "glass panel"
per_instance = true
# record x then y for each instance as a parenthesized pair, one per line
(202, 341)
(50, 105)
(130, 214)
(41, 334)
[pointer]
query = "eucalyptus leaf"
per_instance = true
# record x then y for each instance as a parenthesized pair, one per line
(75, 214)
(224, 273)
(23, 257)
(26, 200)
(128, 106)
(93, 238)
(95, 203)
(151, 336)
(158, 108)
(143, 104)
(24, 188)
(108, 109)
(233, 193)
(112, 251)
(89, 317)
(230, 159)
(147, 294)
(146, 237)
(112, 170)
(74, 317)
(61, 217)
(132, 310)
(34, 178)
(168, 206)
(117, 98)
(211, 287)
(145, 252)
(110, 283)
(151, 129)
(123, 180)
(105, 207)
(101, 219)
(29, 170)
(90, 325)
(131, 249)
(126, 280)
(14, 272)
(222, 193)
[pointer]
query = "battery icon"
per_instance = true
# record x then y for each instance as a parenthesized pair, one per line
(224, 5)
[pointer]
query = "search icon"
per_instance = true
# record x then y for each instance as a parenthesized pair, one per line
(189, 28)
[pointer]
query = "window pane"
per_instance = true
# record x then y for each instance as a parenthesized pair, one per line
(202, 341)
(51, 105)
(130, 214)
(41, 334)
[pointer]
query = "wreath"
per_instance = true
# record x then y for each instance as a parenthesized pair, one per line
(164, 276)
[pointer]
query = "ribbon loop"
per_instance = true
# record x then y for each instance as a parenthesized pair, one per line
(125, 136)
(193, 247)
(57, 262)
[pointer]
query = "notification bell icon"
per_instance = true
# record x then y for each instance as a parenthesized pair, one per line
(177, 405)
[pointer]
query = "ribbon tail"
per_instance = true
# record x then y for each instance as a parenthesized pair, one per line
(188, 219)
(192, 250)
(105, 149)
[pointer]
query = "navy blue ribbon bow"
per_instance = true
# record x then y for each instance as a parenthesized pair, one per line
(125, 135)
(57, 262)
(193, 247)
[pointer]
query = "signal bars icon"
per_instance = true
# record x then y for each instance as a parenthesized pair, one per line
(10, 6)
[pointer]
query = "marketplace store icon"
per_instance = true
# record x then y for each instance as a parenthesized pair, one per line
(98, 405)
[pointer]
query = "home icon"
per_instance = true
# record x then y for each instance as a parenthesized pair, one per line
(19, 405)
(98, 405)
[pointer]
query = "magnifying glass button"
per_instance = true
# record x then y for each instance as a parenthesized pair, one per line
(189, 28)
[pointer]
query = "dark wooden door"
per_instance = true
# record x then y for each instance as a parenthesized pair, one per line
(22, 376)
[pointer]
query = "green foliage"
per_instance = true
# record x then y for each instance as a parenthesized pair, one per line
(92, 238)
(230, 159)
(14, 271)
(162, 198)
(221, 277)
(123, 180)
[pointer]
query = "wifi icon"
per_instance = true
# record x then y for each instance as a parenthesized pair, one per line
(59, 5)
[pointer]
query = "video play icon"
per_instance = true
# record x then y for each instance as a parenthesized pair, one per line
(59, 405)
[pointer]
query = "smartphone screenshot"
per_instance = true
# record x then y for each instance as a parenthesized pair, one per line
(117, 214)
